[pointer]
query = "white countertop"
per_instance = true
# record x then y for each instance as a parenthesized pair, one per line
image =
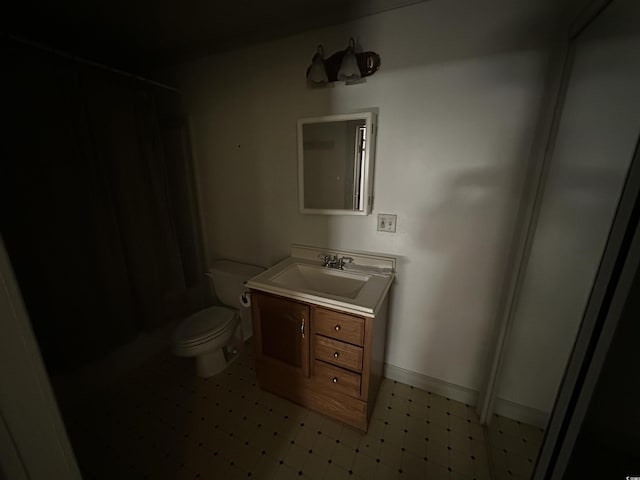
(366, 303)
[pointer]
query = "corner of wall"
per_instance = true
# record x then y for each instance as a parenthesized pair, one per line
(468, 396)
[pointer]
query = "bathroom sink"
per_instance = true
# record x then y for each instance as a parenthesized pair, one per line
(321, 279)
(360, 289)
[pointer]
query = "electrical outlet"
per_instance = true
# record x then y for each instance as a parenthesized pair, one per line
(387, 222)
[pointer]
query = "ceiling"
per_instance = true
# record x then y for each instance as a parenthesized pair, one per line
(142, 35)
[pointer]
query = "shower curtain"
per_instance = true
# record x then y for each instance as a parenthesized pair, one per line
(98, 207)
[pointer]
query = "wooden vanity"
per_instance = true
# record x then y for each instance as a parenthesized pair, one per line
(322, 358)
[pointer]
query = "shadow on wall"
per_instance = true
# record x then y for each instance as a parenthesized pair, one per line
(464, 231)
(453, 144)
(436, 32)
(247, 183)
(569, 243)
(246, 105)
(596, 137)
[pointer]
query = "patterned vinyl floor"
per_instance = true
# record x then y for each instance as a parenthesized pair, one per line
(163, 422)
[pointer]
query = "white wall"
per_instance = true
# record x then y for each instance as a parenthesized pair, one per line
(458, 95)
(596, 139)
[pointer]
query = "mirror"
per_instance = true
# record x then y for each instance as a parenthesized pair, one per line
(335, 164)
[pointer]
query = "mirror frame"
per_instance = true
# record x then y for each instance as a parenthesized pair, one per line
(366, 202)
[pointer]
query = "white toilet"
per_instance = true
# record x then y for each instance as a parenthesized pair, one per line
(209, 334)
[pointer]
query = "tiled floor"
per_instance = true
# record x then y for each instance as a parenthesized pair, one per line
(513, 447)
(163, 422)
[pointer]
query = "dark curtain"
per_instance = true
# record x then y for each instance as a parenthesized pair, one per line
(98, 207)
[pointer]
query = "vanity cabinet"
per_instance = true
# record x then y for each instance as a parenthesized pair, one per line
(279, 325)
(327, 360)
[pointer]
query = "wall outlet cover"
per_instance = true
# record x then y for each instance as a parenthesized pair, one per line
(387, 222)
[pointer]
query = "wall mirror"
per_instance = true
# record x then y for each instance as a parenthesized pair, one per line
(335, 164)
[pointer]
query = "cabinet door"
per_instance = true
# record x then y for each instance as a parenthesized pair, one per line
(282, 331)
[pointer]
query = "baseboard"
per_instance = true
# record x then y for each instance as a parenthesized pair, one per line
(505, 408)
(424, 382)
(521, 413)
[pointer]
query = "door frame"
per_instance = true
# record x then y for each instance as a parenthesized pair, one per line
(33, 440)
(612, 285)
(527, 220)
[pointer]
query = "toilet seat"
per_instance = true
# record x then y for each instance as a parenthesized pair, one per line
(204, 326)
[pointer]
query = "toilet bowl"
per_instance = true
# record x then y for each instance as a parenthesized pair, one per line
(205, 335)
(213, 334)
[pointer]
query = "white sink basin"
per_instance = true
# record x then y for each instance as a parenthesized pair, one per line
(359, 290)
(321, 279)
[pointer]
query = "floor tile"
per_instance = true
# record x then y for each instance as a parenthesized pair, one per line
(513, 447)
(335, 472)
(343, 456)
(163, 422)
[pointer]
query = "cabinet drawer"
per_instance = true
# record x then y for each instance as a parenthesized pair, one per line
(336, 379)
(338, 353)
(339, 326)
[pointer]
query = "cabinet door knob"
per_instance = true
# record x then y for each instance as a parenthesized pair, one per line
(336, 355)
(335, 380)
(302, 327)
(337, 328)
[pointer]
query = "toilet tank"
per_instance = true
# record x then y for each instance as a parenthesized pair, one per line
(228, 280)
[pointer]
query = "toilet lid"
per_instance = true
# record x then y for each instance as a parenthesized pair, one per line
(204, 324)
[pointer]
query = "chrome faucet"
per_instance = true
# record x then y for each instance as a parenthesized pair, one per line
(342, 261)
(335, 261)
(328, 260)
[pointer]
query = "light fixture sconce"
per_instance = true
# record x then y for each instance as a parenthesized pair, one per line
(317, 73)
(344, 65)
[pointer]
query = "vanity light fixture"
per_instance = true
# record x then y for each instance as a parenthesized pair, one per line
(344, 65)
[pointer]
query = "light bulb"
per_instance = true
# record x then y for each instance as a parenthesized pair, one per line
(349, 70)
(317, 74)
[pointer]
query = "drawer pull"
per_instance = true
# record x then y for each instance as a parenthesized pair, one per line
(336, 379)
(336, 355)
(340, 326)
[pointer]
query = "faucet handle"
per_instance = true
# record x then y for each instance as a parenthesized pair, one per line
(344, 260)
(326, 259)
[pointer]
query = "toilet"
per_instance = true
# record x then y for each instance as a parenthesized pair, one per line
(210, 334)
